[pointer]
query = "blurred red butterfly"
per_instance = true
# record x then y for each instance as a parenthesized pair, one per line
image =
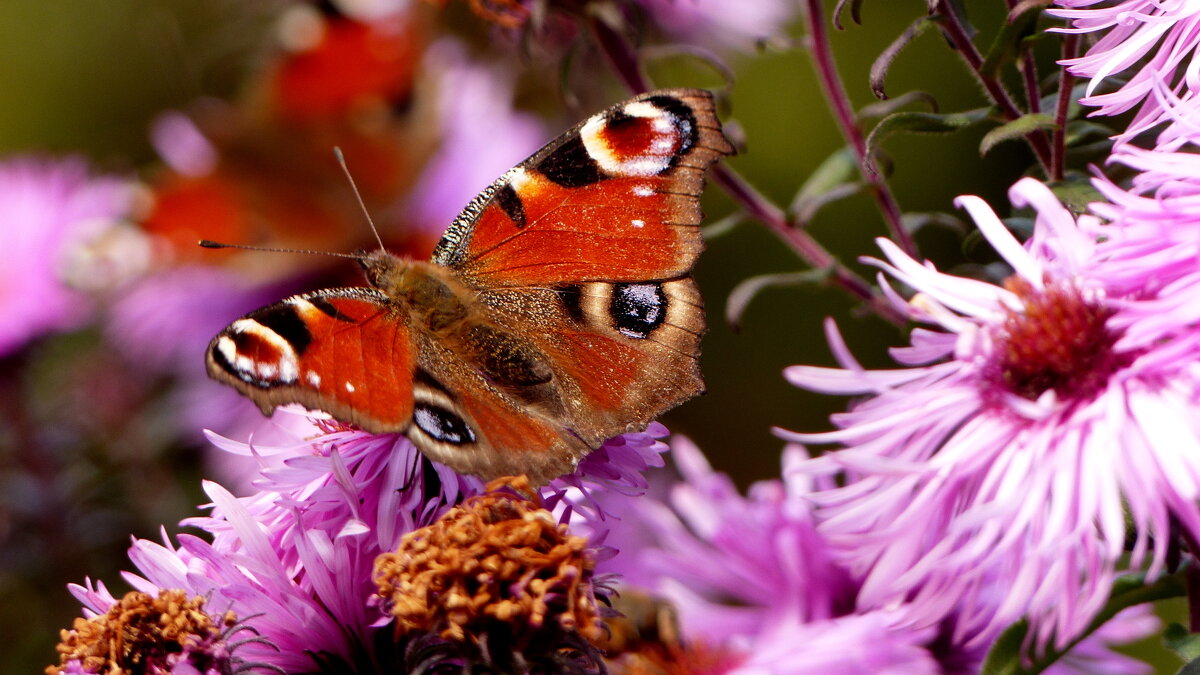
(557, 310)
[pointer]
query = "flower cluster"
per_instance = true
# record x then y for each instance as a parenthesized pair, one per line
(298, 561)
(1037, 439)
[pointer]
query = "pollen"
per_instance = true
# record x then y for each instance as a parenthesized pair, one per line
(1059, 340)
(143, 633)
(497, 563)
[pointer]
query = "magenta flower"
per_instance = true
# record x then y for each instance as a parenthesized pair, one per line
(1155, 38)
(51, 209)
(294, 561)
(998, 460)
(753, 576)
(726, 24)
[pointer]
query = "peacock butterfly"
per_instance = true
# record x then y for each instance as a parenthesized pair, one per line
(557, 310)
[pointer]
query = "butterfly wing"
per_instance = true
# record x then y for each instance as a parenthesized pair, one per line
(614, 199)
(621, 353)
(471, 423)
(584, 251)
(342, 350)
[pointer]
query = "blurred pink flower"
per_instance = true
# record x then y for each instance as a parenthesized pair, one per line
(1001, 458)
(48, 207)
(725, 24)
(481, 135)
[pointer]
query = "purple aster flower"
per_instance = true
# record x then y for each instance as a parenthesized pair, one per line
(50, 208)
(754, 575)
(1156, 38)
(992, 470)
(294, 561)
(725, 24)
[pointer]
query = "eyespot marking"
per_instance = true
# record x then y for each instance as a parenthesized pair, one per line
(442, 425)
(255, 354)
(637, 309)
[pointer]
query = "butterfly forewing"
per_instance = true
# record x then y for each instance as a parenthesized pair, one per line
(615, 199)
(340, 350)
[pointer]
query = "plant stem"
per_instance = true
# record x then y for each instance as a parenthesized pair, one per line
(761, 209)
(957, 34)
(1070, 48)
(843, 114)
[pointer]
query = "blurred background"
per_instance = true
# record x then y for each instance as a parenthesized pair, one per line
(132, 128)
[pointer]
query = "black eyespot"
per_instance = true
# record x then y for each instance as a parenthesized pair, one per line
(638, 309)
(442, 425)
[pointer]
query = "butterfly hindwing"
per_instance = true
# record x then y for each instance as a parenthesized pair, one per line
(621, 353)
(614, 199)
(478, 426)
(341, 350)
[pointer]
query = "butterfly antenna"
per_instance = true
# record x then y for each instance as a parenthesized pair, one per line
(337, 152)
(216, 244)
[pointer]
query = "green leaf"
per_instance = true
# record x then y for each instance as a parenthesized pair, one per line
(1084, 130)
(839, 168)
(1182, 642)
(922, 123)
(894, 104)
(883, 62)
(723, 226)
(1004, 658)
(1016, 129)
(1006, 47)
(913, 222)
(1076, 191)
(743, 293)
(840, 8)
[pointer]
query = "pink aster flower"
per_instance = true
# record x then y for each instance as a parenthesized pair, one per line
(753, 576)
(998, 459)
(48, 207)
(1151, 43)
(294, 561)
(726, 24)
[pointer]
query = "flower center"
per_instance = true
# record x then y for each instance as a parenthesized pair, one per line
(1058, 341)
(498, 561)
(142, 633)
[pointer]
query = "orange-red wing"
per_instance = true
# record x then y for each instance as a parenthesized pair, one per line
(614, 199)
(339, 350)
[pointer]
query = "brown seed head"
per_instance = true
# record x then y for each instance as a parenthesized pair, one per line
(498, 557)
(137, 631)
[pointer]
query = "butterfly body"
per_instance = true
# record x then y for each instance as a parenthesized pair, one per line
(557, 311)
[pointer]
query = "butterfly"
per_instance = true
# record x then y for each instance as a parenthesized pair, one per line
(557, 311)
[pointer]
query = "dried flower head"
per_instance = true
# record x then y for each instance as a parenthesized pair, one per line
(148, 634)
(499, 558)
